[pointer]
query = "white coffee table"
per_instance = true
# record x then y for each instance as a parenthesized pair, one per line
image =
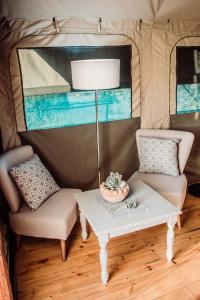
(105, 226)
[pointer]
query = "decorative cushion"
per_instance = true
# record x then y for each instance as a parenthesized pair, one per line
(158, 155)
(34, 181)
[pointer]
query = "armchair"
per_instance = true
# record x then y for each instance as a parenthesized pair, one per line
(172, 188)
(54, 219)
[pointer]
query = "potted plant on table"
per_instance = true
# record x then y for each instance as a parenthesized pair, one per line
(114, 189)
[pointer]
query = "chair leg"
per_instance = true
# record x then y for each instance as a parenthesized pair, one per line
(179, 221)
(63, 249)
(18, 241)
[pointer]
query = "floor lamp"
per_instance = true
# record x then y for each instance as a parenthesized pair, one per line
(96, 74)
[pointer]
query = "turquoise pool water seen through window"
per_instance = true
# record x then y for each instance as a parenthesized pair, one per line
(76, 108)
(188, 98)
(49, 100)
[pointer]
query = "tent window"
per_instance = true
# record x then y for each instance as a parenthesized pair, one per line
(188, 79)
(51, 102)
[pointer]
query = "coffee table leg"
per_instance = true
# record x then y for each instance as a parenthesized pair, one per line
(103, 240)
(170, 237)
(83, 226)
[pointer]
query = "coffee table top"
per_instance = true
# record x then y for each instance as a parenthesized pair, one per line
(157, 211)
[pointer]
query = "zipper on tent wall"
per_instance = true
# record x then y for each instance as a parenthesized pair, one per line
(99, 24)
(56, 25)
(138, 25)
(169, 24)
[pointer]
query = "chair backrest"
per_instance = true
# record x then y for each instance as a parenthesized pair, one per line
(184, 147)
(10, 159)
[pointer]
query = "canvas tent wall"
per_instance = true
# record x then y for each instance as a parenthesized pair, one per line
(153, 28)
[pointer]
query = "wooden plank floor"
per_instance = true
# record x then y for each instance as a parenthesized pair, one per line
(137, 265)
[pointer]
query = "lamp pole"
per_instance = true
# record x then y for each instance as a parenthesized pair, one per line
(97, 137)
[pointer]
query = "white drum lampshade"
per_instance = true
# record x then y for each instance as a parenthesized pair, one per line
(95, 74)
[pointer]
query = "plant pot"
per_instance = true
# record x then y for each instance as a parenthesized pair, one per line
(114, 196)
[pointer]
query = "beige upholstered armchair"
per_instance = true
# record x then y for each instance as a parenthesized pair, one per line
(54, 219)
(172, 188)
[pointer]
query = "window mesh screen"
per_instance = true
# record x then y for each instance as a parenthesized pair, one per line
(51, 102)
(188, 79)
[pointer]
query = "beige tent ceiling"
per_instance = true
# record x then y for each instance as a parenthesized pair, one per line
(108, 9)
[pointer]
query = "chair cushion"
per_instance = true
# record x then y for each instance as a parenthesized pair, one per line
(184, 147)
(34, 181)
(8, 160)
(54, 219)
(158, 155)
(171, 188)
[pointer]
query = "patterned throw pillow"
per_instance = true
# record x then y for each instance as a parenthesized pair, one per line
(34, 181)
(158, 155)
